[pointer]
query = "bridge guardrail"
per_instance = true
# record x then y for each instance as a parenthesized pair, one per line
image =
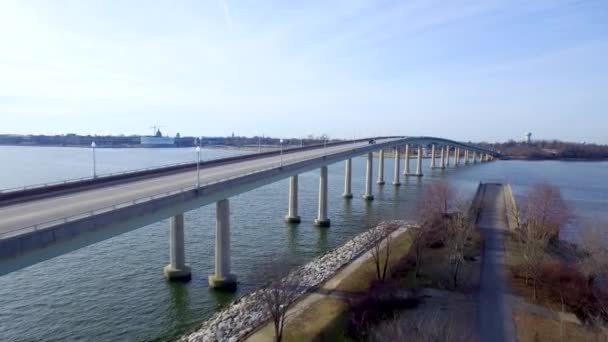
(74, 217)
(89, 213)
(106, 177)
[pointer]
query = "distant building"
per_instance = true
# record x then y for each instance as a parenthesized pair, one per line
(528, 138)
(157, 140)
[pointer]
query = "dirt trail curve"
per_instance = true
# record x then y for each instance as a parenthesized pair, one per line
(495, 319)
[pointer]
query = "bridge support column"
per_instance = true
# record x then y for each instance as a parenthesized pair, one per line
(177, 269)
(466, 157)
(222, 278)
(322, 220)
(397, 174)
(419, 163)
(406, 167)
(442, 162)
(381, 167)
(292, 211)
(368, 177)
(347, 179)
(474, 157)
(457, 157)
(433, 156)
(447, 156)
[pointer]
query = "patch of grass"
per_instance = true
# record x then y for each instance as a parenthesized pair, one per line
(325, 320)
(534, 328)
(435, 270)
(361, 279)
(322, 321)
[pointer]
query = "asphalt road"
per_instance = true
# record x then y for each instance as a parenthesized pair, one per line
(495, 313)
(22, 215)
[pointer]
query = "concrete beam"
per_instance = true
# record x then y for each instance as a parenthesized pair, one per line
(368, 178)
(222, 278)
(177, 268)
(292, 209)
(322, 220)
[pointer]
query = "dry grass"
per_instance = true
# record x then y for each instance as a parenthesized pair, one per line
(360, 280)
(322, 321)
(532, 328)
(325, 319)
(435, 270)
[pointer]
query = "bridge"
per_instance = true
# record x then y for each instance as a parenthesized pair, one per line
(41, 222)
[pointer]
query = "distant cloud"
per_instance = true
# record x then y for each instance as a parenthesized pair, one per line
(227, 16)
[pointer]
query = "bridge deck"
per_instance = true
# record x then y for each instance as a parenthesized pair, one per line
(36, 229)
(17, 216)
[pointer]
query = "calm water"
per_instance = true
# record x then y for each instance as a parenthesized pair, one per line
(115, 290)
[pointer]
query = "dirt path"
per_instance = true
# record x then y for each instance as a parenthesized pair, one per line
(495, 316)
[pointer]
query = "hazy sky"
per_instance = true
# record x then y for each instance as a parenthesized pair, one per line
(466, 70)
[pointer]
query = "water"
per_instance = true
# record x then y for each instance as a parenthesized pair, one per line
(115, 290)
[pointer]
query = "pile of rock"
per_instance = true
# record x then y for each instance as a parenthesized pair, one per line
(247, 313)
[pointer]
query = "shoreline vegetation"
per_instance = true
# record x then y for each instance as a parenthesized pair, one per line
(423, 282)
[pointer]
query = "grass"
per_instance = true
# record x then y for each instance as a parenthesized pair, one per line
(532, 328)
(325, 319)
(434, 271)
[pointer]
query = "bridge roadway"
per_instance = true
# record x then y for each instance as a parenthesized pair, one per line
(34, 230)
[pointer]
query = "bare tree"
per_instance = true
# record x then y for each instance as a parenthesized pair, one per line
(280, 292)
(595, 261)
(459, 230)
(379, 238)
(431, 211)
(541, 217)
(545, 209)
(276, 299)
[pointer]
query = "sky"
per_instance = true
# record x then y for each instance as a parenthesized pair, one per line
(487, 70)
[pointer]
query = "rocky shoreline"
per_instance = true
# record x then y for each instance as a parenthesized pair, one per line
(245, 314)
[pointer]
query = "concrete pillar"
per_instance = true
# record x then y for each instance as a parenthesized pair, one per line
(347, 179)
(406, 168)
(368, 178)
(447, 156)
(396, 176)
(474, 157)
(442, 160)
(457, 157)
(292, 210)
(433, 156)
(322, 220)
(222, 278)
(419, 162)
(381, 167)
(177, 268)
(466, 157)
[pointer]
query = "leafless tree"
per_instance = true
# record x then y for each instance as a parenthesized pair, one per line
(543, 214)
(459, 230)
(276, 299)
(278, 295)
(379, 238)
(431, 211)
(595, 261)
(545, 209)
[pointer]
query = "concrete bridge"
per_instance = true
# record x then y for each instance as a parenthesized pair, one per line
(39, 223)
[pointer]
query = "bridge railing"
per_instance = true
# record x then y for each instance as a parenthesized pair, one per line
(110, 208)
(85, 214)
(134, 172)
